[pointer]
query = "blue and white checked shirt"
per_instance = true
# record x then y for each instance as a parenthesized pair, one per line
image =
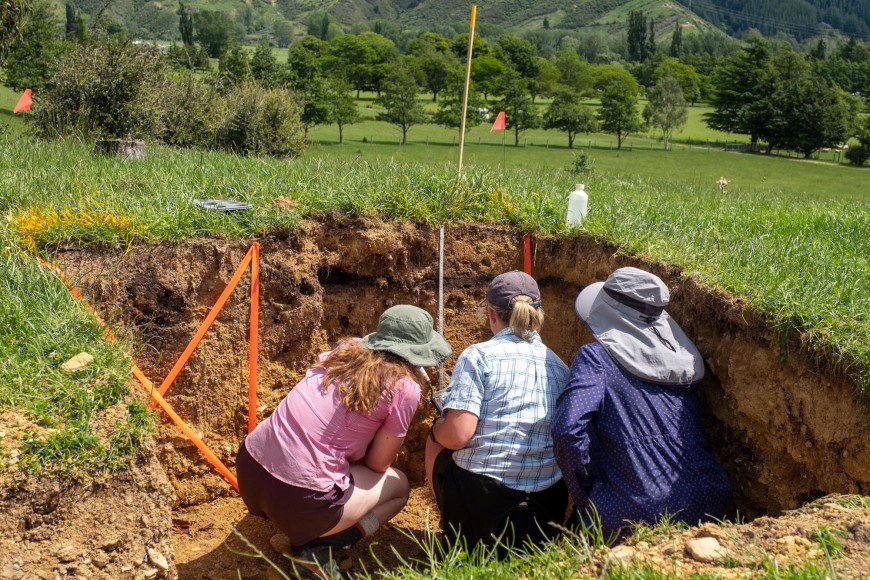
(512, 386)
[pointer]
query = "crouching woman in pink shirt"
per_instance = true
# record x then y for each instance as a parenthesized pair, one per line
(319, 466)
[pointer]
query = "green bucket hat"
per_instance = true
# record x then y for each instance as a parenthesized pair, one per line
(406, 331)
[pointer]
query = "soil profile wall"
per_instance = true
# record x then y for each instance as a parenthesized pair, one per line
(785, 433)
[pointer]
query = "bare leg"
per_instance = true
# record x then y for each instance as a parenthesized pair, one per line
(384, 494)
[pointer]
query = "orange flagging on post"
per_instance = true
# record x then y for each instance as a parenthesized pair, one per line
(254, 335)
(251, 257)
(527, 254)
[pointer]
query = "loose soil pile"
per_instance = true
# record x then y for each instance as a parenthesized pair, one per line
(786, 430)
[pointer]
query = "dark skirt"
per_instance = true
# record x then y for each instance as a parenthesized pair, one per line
(302, 514)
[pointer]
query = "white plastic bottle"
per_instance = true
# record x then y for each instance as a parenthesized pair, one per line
(578, 201)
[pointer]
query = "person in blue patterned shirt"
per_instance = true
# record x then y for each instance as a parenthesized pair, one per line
(489, 458)
(627, 429)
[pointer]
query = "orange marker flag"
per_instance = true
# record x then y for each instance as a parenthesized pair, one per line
(23, 102)
(498, 125)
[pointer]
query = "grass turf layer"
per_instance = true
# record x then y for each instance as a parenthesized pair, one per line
(69, 422)
(801, 261)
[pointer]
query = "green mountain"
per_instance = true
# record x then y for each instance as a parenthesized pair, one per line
(798, 18)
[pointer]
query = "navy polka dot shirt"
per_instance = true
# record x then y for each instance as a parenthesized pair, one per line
(632, 449)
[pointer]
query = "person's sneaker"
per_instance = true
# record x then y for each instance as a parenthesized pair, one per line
(317, 563)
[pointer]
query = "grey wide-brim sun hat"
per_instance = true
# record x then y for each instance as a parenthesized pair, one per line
(626, 314)
(406, 331)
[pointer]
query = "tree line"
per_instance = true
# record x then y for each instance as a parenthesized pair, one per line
(765, 89)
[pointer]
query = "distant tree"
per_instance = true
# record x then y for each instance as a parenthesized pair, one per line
(819, 50)
(354, 58)
(234, 67)
(853, 51)
(318, 25)
(637, 43)
(76, 29)
(566, 113)
(283, 32)
(806, 112)
(342, 107)
(449, 112)
(545, 83)
(666, 109)
(677, 41)
(618, 112)
(574, 72)
(264, 66)
(651, 40)
(481, 47)
(387, 29)
(520, 54)
(436, 67)
(860, 153)
(487, 73)
(742, 86)
(430, 41)
(185, 24)
(686, 76)
(215, 30)
(30, 63)
(386, 57)
(306, 82)
(520, 112)
(399, 100)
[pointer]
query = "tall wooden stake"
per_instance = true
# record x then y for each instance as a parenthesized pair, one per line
(459, 176)
(465, 94)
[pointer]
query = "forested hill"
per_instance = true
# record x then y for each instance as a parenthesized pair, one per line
(799, 18)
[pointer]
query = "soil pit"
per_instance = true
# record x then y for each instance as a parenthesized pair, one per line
(786, 430)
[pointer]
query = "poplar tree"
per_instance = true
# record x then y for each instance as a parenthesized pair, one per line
(185, 24)
(637, 44)
(677, 41)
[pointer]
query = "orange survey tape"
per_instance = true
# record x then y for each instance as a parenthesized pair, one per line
(206, 324)
(199, 443)
(252, 257)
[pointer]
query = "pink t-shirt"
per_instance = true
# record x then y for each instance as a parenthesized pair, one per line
(312, 438)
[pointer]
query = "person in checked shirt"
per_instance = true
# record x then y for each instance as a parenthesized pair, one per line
(489, 458)
(627, 430)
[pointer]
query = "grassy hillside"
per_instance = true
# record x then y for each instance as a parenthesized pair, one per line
(158, 19)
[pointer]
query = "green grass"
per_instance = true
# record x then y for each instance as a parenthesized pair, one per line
(41, 327)
(800, 258)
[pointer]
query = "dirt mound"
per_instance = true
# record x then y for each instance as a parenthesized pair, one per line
(118, 528)
(785, 431)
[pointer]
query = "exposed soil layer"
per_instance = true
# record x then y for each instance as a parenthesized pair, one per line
(786, 431)
(118, 528)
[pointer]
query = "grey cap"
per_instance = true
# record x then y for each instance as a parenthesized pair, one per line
(626, 314)
(406, 331)
(505, 287)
